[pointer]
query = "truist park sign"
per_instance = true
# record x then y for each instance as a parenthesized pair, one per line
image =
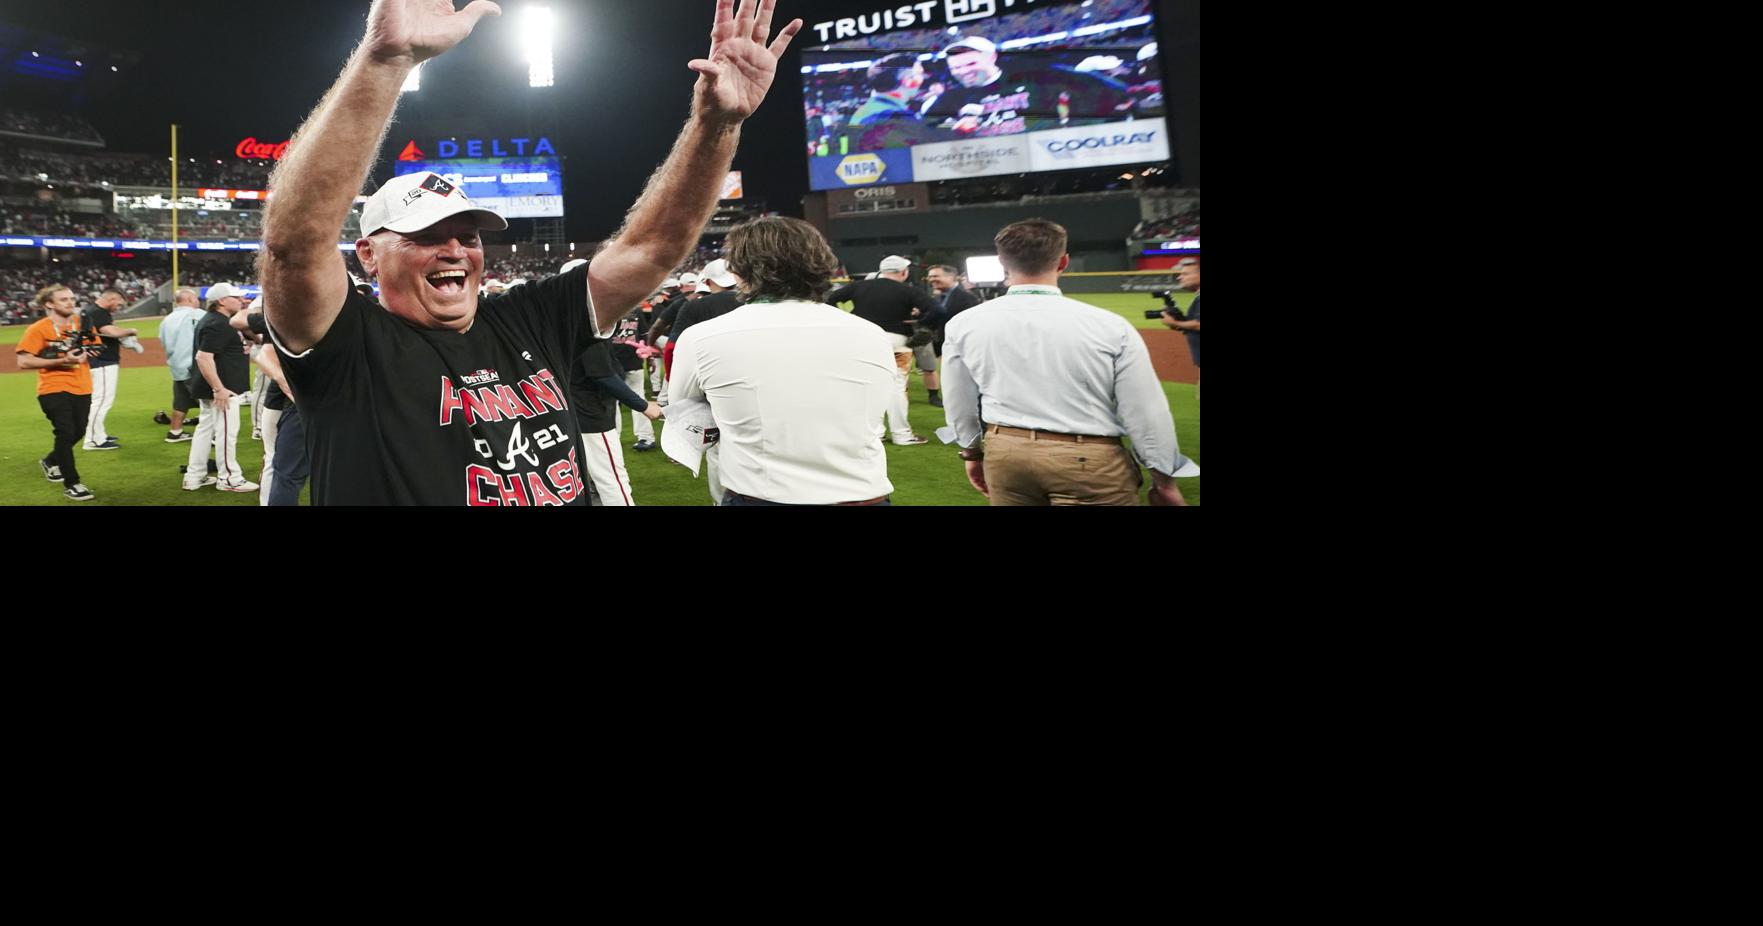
(928, 13)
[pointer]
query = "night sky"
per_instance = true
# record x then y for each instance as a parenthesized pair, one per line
(225, 70)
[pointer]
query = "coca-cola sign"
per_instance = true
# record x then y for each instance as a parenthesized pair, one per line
(252, 148)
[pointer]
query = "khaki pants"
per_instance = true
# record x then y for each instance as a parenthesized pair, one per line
(1022, 471)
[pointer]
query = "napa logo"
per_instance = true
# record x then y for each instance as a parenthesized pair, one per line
(861, 169)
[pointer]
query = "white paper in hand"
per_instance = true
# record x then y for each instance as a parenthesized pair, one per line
(684, 439)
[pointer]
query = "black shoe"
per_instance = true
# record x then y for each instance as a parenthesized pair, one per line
(643, 445)
(110, 444)
(936, 402)
(51, 473)
(178, 437)
(78, 492)
(161, 418)
(190, 421)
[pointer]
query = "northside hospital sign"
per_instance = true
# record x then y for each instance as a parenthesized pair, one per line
(954, 13)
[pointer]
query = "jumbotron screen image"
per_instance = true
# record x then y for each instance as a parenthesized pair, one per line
(976, 88)
(523, 188)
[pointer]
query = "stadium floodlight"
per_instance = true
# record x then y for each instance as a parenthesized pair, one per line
(413, 83)
(536, 28)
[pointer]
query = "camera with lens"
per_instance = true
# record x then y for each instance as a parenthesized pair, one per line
(83, 339)
(1169, 305)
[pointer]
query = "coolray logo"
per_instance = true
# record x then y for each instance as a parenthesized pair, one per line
(481, 378)
(539, 395)
(862, 169)
(1067, 148)
(412, 153)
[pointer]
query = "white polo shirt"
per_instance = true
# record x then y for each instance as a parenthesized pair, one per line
(797, 390)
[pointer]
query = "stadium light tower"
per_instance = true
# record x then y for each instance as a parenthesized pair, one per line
(414, 81)
(536, 28)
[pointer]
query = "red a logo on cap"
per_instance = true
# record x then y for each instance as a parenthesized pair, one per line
(412, 153)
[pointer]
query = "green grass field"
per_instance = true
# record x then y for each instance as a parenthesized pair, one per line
(145, 470)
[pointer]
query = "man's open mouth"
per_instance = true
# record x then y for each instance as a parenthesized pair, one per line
(450, 282)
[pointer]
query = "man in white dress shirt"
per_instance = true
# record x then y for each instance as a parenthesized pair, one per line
(1058, 383)
(797, 387)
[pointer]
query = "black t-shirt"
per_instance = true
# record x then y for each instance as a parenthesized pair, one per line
(94, 318)
(399, 415)
(704, 309)
(888, 303)
(594, 409)
(231, 362)
(664, 320)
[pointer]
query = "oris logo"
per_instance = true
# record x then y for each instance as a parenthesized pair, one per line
(1069, 149)
(252, 148)
(880, 192)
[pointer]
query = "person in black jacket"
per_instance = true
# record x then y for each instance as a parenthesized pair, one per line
(887, 302)
(952, 298)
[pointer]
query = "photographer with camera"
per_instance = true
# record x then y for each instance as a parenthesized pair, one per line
(1188, 277)
(61, 351)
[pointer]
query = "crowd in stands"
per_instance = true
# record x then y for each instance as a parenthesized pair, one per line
(221, 224)
(15, 220)
(228, 224)
(1184, 224)
(49, 125)
(137, 278)
(21, 163)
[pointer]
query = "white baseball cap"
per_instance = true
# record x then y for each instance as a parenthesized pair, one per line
(973, 42)
(688, 279)
(572, 265)
(413, 202)
(220, 291)
(717, 272)
(895, 263)
(670, 283)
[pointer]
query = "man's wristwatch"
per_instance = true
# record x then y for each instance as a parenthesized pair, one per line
(971, 454)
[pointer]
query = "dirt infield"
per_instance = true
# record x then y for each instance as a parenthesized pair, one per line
(1169, 355)
(154, 357)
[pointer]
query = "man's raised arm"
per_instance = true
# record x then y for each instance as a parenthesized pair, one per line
(664, 225)
(304, 278)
